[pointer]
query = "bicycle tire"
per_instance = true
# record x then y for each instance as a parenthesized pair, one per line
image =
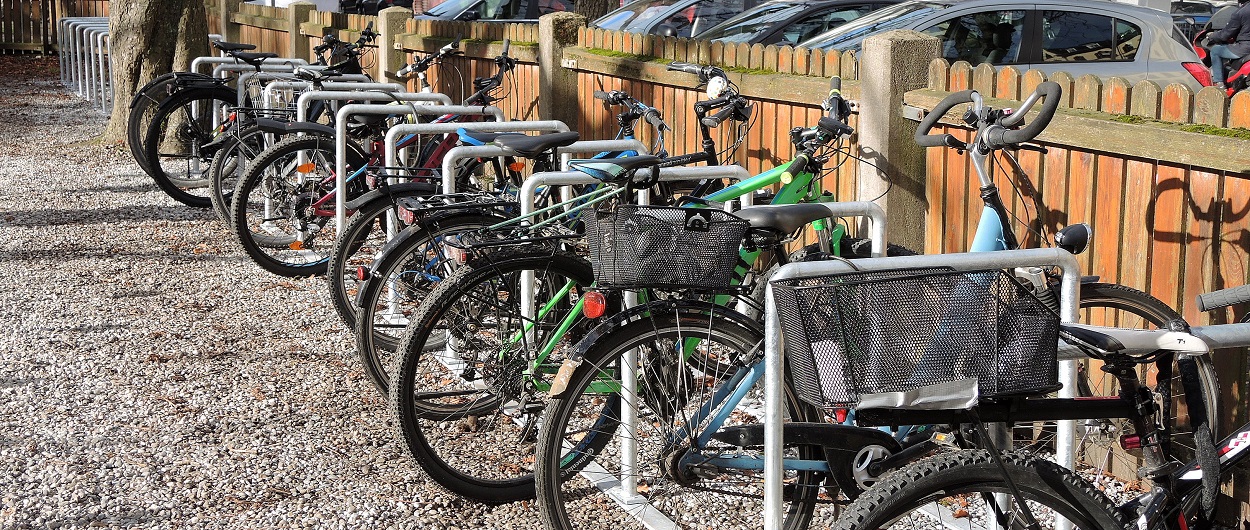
(403, 270)
(941, 485)
(465, 413)
(228, 165)
(270, 208)
(191, 113)
(567, 501)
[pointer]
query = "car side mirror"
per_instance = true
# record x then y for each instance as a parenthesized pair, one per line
(665, 30)
(1074, 239)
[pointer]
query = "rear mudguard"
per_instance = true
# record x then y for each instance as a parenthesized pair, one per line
(181, 80)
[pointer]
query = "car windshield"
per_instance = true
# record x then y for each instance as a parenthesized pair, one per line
(635, 16)
(755, 22)
(850, 35)
(450, 8)
(1191, 8)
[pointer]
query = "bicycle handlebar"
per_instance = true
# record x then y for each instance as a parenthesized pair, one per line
(924, 139)
(704, 72)
(1224, 298)
(1050, 91)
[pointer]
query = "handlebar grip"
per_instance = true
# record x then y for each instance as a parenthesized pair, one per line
(835, 84)
(1049, 90)
(1224, 298)
(796, 167)
(506, 44)
(835, 126)
(923, 138)
(688, 68)
(601, 95)
(653, 117)
(720, 116)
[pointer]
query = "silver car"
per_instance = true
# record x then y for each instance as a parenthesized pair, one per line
(1079, 37)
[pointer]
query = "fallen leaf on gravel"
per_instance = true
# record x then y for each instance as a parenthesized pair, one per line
(256, 393)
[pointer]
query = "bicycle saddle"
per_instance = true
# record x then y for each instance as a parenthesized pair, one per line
(784, 218)
(614, 169)
(532, 146)
(233, 46)
(1141, 341)
(254, 58)
(480, 137)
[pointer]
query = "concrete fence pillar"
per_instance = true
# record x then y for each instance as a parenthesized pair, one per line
(557, 87)
(390, 53)
(891, 64)
(296, 14)
(229, 29)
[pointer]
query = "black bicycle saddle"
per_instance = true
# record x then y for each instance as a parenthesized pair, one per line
(233, 46)
(533, 146)
(784, 218)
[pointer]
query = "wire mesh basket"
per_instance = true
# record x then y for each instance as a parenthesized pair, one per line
(633, 247)
(857, 334)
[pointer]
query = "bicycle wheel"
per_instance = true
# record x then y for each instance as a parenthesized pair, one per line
(1098, 440)
(362, 242)
(179, 129)
(683, 479)
(229, 163)
(468, 412)
(283, 206)
(965, 489)
(403, 277)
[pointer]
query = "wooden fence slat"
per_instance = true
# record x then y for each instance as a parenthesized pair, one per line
(1116, 96)
(983, 78)
(1167, 233)
(1176, 105)
(833, 63)
(961, 76)
(1211, 106)
(939, 74)
(1008, 83)
(1239, 110)
(1147, 97)
(1087, 93)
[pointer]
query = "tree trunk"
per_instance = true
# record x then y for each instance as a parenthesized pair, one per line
(593, 9)
(145, 46)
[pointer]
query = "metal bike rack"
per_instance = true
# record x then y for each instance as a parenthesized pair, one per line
(346, 85)
(73, 50)
(302, 103)
(84, 39)
(67, 44)
(1069, 299)
(207, 60)
(241, 87)
(340, 132)
(492, 151)
(104, 57)
(621, 489)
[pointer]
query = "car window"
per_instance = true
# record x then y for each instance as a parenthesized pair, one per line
(1070, 36)
(746, 26)
(502, 9)
(634, 16)
(709, 13)
(987, 37)
(552, 6)
(850, 36)
(1191, 8)
(817, 23)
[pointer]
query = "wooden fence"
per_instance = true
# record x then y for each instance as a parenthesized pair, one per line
(31, 25)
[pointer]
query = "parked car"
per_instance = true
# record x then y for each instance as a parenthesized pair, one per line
(1190, 15)
(791, 21)
(1097, 37)
(675, 18)
(509, 10)
(371, 7)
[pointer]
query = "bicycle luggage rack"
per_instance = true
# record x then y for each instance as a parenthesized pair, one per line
(340, 129)
(1069, 299)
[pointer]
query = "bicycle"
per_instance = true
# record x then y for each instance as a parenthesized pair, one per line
(610, 342)
(285, 200)
(177, 145)
(515, 356)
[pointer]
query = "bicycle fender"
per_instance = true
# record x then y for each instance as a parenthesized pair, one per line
(309, 127)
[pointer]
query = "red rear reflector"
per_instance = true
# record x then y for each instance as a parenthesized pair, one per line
(1199, 72)
(594, 304)
(362, 273)
(840, 415)
(406, 215)
(517, 166)
(1130, 442)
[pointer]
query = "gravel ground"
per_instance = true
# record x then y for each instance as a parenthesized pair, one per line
(152, 376)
